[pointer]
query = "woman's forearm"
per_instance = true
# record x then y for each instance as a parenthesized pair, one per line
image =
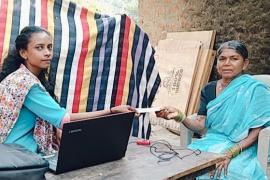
(196, 125)
(250, 139)
(85, 115)
(243, 144)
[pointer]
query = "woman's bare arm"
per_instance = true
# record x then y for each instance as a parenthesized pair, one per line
(85, 115)
(197, 124)
(251, 138)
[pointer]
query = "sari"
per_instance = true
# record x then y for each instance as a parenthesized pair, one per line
(244, 104)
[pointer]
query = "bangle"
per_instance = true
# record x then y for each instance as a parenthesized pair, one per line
(180, 117)
(235, 150)
(230, 151)
(111, 110)
(241, 149)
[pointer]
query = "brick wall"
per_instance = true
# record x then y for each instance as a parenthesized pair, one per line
(245, 20)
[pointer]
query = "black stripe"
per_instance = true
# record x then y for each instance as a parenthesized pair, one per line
(57, 41)
(135, 126)
(154, 91)
(148, 132)
(97, 16)
(16, 15)
(70, 55)
(32, 13)
(151, 67)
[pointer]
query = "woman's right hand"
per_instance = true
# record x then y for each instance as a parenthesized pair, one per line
(168, 112)
(222, 166)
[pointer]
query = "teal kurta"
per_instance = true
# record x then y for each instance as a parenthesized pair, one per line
(38, 103)
(243, 105)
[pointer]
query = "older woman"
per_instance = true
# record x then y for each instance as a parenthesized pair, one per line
(233, 110)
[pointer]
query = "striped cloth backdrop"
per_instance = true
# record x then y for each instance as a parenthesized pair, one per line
(99, 61)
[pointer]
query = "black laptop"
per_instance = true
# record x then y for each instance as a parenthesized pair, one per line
(92, 141)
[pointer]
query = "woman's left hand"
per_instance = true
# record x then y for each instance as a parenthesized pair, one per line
(122, 109)
(223, 165)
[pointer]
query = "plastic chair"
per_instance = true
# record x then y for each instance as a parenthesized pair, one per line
(264, 136)
(263, 139)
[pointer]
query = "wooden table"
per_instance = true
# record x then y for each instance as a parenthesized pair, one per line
(140, 164)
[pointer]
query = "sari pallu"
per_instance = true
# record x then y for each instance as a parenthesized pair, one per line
(243, 105)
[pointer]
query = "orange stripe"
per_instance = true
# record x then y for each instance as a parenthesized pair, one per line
(50, 16)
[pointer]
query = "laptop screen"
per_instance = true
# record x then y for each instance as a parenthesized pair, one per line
(94, 141)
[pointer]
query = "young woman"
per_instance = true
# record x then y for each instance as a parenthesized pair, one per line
(233, 110)
(27, 107)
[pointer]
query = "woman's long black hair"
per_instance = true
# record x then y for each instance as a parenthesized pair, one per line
(13, 60)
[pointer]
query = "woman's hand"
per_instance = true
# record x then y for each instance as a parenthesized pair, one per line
(168, 113)
(222, 165)
(122, 109)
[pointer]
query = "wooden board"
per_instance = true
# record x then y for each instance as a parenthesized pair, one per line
(177, 63)
(207, 38)
(205, 62)
(202, 77)
(194, 104)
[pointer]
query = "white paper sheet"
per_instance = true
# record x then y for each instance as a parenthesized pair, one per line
(148, 110)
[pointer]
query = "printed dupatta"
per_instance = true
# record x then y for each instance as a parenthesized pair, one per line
(13, 90)
(243, 105)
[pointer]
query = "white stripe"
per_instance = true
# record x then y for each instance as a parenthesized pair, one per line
(113, 61)
(75, 62)
(38, 13)
(25, 11)
(142, 89)
(140, 126)
(64, 49)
